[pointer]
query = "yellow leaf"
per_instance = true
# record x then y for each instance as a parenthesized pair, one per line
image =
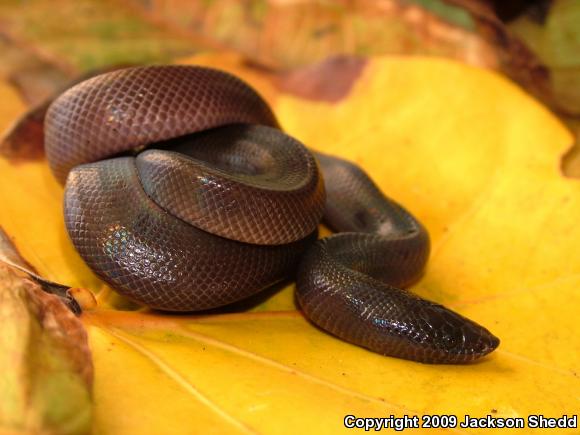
(269, 372)
(470, 154)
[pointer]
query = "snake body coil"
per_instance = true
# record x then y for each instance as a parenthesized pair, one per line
(223, 204)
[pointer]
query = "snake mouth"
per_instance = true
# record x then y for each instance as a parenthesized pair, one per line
(484, 344)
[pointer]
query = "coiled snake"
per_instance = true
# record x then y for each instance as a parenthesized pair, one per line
(183, 194)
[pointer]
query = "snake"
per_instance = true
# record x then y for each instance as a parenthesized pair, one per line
(182, 192)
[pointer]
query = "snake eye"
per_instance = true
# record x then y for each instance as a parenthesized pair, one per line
(449, 340)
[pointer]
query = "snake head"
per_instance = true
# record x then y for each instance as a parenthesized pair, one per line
(448, 337)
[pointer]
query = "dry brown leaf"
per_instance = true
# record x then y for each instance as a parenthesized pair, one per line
(46, 365)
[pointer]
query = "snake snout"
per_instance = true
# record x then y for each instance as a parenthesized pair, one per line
(460, 340)
(482, 341)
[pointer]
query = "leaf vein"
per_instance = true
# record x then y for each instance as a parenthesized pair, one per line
(180, 380)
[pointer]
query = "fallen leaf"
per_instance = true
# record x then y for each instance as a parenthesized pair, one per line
(229, 374)
(555, 38)
(111, 32)
(260, 29)
(46, 365)
(552, 31)
(158, 30)
(464, 30)
(470, 154)
(34, 77)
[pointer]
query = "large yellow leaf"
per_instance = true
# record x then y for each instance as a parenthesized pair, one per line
(475, 158)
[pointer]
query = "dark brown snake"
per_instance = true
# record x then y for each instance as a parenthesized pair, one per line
(222, 204)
